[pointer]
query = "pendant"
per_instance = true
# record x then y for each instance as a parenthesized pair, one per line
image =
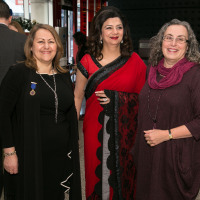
(33, 87)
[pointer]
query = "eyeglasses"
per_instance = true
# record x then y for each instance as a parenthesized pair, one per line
(179, 39)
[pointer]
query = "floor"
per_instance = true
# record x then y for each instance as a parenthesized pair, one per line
(81, 145)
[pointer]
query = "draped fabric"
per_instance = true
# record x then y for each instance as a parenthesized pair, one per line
(172, 76)
(109, 130)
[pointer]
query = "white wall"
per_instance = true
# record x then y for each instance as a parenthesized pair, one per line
(42, 11)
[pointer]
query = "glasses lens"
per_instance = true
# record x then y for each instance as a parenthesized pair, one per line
(168, 38)
(180, 39)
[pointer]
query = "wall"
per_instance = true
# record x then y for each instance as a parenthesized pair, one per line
(146, 17)
(42, 11)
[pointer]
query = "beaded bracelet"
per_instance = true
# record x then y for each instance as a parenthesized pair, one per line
(9, 154)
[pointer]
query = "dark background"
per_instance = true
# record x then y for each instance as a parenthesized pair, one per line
(145, 17)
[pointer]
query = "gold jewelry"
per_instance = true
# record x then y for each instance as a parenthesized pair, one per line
(9, 154)
(33, 87)
(148, 142)
(170, 135)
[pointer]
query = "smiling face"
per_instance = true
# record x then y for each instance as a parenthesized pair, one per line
(174, 51)
(44, 47)
(112, 31)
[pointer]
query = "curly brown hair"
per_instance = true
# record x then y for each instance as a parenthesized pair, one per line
(30, 60)
(93, 43)
(156, 53)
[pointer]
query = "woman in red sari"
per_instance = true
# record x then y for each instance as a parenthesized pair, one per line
(110, 77)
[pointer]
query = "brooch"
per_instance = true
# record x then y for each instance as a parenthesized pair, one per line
(33, 86)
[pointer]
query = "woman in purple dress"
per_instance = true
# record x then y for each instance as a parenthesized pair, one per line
(167, 148)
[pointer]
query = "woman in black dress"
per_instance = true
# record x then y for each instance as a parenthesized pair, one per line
(39, 124)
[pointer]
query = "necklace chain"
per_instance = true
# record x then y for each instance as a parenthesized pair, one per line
(154, 119)
(55, 94)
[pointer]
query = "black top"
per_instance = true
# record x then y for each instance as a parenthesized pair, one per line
(47, 97)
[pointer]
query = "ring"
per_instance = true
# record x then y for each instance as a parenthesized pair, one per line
(105, 99)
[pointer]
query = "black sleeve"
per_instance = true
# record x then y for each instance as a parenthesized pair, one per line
(75, 191)
(9, 94)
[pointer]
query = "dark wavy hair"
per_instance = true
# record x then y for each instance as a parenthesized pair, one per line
(93, 42)
(80, 38)
(156, 53)
(30, 60)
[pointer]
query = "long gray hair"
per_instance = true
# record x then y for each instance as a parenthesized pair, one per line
(156, 53)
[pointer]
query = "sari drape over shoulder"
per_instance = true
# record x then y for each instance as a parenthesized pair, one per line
(109, 130)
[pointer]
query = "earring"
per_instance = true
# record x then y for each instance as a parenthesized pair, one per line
(101, 41)
(122, 42)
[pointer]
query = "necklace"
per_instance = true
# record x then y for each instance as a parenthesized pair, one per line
(54, 91)
(154, 118)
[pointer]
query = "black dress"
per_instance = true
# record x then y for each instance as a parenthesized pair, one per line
(54, 136)
(42, 145)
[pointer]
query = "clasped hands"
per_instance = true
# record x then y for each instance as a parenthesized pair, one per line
(156, 136)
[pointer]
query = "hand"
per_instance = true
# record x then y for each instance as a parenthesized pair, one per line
(156, 136)
(103, 99)
(11, 164)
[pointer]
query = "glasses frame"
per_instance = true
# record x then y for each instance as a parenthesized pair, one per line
(164, 38)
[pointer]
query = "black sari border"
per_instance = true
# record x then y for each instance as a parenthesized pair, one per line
(113, 162)
(82, 70)
(122, 127)
(116, 133)
(102, 74)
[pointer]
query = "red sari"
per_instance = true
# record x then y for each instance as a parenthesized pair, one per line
(109, 130)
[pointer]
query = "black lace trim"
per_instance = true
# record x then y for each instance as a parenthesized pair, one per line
(116, 139)
(113, 146)
(83, 70)
(102, 74)
(98, 171)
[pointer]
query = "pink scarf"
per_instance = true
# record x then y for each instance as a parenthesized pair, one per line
(172, 76)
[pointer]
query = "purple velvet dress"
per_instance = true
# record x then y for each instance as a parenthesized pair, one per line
(170, 170)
